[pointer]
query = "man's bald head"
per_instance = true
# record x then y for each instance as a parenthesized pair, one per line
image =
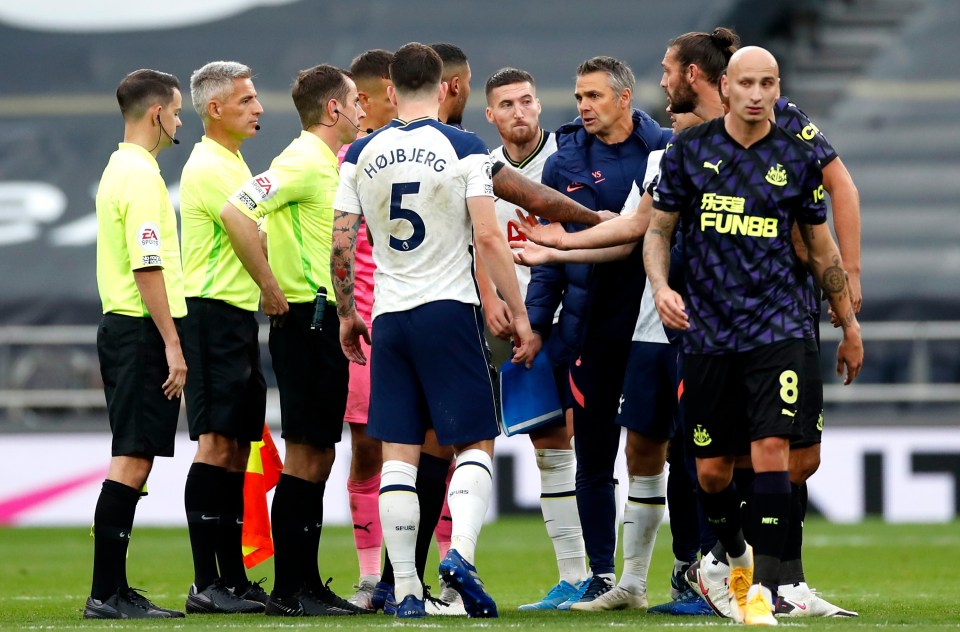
(752, 84)
(753, 58)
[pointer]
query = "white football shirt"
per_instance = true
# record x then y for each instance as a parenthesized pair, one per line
(649, 327)
(532, 168)
(411, 182)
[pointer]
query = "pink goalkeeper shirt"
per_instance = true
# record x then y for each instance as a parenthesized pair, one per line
(364, 266)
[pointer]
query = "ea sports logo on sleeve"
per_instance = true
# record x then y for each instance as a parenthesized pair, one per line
(148, 235)
(264, 186)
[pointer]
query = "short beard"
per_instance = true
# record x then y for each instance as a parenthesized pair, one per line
(517, 137)
(683, 100)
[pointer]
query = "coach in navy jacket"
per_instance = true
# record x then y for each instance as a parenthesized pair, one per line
(599, 176)
(590, 343)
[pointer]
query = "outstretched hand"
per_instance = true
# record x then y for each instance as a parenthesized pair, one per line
(545, 234)
(530, 253)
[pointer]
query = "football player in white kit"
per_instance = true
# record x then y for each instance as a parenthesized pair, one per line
(425, 191)
(514, 109)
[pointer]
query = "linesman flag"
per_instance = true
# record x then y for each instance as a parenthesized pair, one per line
(263, 471)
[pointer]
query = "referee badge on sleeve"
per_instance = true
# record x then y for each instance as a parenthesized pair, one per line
(148, 236)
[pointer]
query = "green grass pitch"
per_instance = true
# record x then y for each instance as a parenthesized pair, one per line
(902, 577)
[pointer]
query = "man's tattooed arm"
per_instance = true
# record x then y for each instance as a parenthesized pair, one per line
(656, 247)
(827, 267)
(342, 260)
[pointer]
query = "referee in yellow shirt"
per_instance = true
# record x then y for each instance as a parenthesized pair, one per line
(226, 395)
(295, 196)
(138, 342)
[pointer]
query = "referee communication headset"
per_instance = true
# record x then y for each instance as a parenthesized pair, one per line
(369, 130)
(164, 131)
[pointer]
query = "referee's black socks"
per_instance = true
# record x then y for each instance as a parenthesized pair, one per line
(230, 533)
(311, 552)
(292, 524)
(112, 523)
(202, 501)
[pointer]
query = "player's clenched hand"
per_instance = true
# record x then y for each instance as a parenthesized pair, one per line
(177, 366)
(499, 319)
(671, 309)
(850, 354)
(526, 343)
(275, 306)
(530, 253)
(547, 234)
(352, 328)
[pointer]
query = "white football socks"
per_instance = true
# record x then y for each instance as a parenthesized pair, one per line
(400, 519)
(558, 502)
(642, 516)
(468, 497)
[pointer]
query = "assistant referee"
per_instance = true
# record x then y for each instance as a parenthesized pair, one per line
(143, 370)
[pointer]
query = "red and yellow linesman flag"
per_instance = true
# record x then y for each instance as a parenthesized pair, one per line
(263, 472)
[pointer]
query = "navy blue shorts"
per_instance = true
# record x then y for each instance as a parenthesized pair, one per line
(648, 403)
(428, 368)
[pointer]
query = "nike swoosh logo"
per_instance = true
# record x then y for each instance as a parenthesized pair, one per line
(202, 517)
(574, 187)
(800, 606)
(703, 589)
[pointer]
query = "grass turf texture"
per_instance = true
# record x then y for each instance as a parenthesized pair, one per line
(894, 575)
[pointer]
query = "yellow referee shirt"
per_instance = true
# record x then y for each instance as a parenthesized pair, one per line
(136, 229)
(211, 269)
(297, 193)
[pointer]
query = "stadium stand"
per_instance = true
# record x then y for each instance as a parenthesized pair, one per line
(875, 74)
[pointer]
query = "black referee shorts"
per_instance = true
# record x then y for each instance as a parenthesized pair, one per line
(133, 366)
(225, 391)
(312, 376)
